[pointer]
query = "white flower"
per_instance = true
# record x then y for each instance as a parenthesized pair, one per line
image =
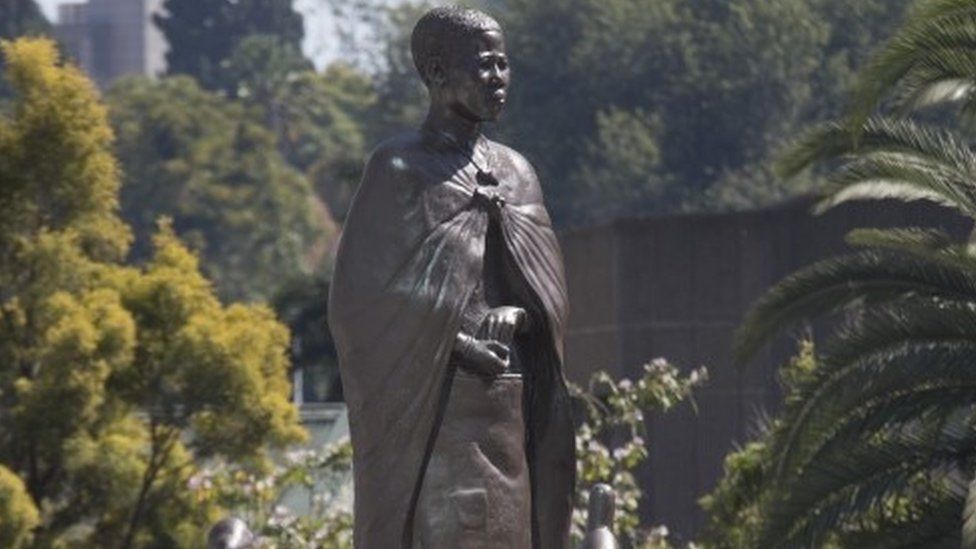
(659, 533)
(659, 364)
(195, 482)
(281, 517)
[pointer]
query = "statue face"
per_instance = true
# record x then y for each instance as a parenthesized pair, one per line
(476, 82)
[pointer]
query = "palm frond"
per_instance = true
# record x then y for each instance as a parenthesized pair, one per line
(856, 504)
(864, 473)
(934, 525)
(901, 176)
(826, 141)
(969, 518)
(830, 285)
(922, 243)
(914, 240)
(911, 322)
(895, 411)
(893, 159)
(875, 392)
(928, 85)
(833, 140)
(945, 74)
(935, 45)
(934, 9)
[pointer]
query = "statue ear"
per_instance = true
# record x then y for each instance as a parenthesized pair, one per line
(436, 73)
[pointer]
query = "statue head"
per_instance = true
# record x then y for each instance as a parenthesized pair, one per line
(460, 55)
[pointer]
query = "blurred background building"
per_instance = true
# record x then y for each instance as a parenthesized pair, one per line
(113, 38)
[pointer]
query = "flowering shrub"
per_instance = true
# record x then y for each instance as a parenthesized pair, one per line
(610, 441)
(259, 497)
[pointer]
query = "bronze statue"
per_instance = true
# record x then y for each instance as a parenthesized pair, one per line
(448, 308)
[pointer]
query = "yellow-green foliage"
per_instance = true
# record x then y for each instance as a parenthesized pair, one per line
(228, 365)
(115, 381)
(55, 161)
(18, 515)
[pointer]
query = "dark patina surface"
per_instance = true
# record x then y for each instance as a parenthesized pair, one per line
(448, 309)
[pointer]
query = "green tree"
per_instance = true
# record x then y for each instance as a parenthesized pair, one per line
(401, 96)
(22, 17)
(856, 30)
(325, 475)
(327, 125)
(621, 173)
(106, 370)
(203, 34)
(725, 81)
(733, 505)
(320, 120)
(260, 67)
(204, 161)
(374, 37)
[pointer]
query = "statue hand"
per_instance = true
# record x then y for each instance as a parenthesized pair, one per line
(484, 357)
(501, 323)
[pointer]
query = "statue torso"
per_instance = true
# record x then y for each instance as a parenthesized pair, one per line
(476, 489)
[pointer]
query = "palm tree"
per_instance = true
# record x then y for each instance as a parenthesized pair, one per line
(877, 446)
(882, 420)
(930, 60)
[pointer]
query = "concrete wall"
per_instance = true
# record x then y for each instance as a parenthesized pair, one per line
(677, 287)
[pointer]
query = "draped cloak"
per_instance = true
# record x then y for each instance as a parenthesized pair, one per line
(411, 253)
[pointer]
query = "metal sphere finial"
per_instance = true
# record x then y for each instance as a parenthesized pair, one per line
(230, 533)
(599, 522)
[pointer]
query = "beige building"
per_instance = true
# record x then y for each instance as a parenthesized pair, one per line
(113, 38)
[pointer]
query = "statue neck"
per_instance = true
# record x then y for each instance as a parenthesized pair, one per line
(445, 121)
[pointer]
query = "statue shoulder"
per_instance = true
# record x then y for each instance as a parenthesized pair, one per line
(521, 170)
(389, 173)
(395, 155)
(514, 161)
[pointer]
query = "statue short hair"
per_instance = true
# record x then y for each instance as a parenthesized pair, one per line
(437, 33)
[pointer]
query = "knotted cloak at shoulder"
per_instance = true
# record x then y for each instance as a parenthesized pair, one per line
(409, 257)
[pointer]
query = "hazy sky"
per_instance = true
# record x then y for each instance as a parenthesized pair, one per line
(318, 26)
(49, 7)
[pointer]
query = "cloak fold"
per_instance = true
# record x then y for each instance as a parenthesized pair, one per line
(409, 256)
